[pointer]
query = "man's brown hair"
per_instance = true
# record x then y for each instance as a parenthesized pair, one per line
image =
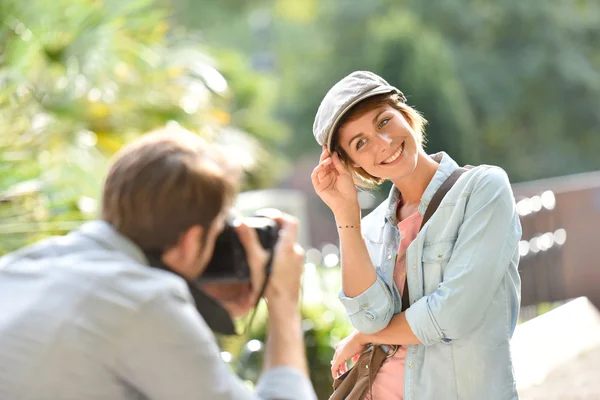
(164, 183)
(416, 121)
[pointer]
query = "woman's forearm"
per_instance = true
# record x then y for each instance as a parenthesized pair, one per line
(358, 273)
(397, 332)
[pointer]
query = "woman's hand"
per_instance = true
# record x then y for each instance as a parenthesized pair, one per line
(333, 183)
(351, 346)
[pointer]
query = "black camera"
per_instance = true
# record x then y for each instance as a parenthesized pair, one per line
(229, 263)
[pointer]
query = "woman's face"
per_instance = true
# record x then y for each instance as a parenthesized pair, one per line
(381, 142)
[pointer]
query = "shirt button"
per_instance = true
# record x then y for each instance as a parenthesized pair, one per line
(367, 366)
(414, 267)
(389, 256)
(411, 365)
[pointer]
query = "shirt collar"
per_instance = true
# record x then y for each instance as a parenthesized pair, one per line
(215, 316)
(446, 168)
(103, 233)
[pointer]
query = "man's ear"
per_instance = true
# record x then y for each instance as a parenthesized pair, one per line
(183, 256)
(190, 245)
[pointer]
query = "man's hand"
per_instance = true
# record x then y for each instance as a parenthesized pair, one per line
(351, 346)
(239, 298)
(284, 284)
(288, 262)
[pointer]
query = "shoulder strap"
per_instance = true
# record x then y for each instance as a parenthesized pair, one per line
(435, 202)
(437, 198)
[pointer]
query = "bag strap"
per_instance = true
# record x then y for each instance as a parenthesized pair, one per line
(435, 202)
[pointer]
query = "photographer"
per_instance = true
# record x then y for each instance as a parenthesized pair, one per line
(111, 310)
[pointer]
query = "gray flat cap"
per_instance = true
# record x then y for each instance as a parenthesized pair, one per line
(345, 94)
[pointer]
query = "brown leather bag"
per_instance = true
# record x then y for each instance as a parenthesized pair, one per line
(355, 383)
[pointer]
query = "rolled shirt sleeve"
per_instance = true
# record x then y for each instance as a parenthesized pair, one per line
(486, 244)
(370, 311)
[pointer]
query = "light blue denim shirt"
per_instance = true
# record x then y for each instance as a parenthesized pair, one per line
(464, 286)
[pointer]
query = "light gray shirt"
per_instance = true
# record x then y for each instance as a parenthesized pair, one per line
(83, 317)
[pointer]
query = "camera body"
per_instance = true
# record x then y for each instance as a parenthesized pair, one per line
(229, 263)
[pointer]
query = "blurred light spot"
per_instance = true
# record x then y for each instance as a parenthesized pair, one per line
(560, 236)
(109, 96)
(523, 248)
(86, 138)
(330, 249)
(20, 28)
(173, 124)
(328, 316)
(40, 121)
(226, 356)
(80, 85)
(533, 245)
(331, 260)
(536, 203)
(314, 256)
(547, 240)
(27, 35)
(122, 70)
(307, 325)
(72, 66)
(366, 200)
(524, 207)
(548, 200)
(254, 345)
(213, 78)
(94, 95)
(23, 91)
(310, 268)
(87, 205)
(62, 82)
(189, 104)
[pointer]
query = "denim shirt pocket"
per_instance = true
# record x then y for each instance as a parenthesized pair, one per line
(434, 259)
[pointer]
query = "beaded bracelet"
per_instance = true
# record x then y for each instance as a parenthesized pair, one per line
(348, 226)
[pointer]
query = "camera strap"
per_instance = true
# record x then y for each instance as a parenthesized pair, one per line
(268, 269)
(213, 313)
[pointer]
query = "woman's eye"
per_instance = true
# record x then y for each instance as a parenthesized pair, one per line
(360, 143)
(383, 122)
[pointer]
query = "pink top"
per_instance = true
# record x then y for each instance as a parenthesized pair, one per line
(389, 381)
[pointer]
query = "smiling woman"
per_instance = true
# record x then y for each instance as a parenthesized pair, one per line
(432, 271)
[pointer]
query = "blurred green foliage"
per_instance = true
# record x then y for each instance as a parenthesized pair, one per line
(79, 78)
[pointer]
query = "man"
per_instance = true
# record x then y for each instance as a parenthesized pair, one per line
(85, 316)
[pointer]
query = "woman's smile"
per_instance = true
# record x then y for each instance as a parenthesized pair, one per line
(395, 158)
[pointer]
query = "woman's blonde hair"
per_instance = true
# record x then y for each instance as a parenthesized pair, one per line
(416, 121)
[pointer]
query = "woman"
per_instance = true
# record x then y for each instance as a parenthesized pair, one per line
(460, 269)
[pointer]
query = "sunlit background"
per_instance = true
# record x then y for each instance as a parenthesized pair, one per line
(511, 83)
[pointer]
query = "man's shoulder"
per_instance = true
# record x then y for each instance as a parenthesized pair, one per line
(79, 268)
(139, 283)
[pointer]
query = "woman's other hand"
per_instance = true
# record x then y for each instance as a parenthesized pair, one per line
(351, 346)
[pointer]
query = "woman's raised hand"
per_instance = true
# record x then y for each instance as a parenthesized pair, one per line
(333, 183)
